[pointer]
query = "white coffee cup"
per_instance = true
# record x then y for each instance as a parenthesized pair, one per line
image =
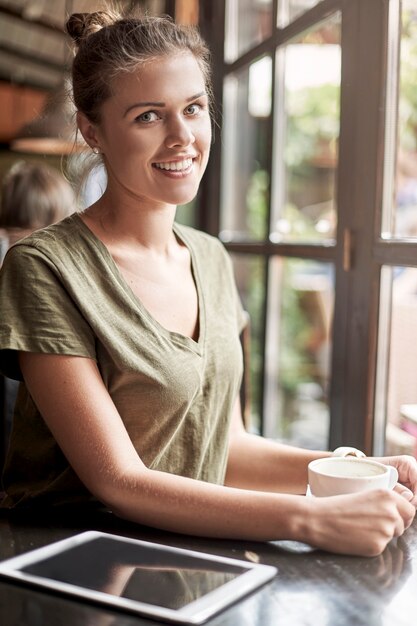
(334, 476)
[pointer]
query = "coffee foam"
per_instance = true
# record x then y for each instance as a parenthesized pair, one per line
(349, 469)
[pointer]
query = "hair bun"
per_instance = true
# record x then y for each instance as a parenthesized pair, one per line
(81, 25)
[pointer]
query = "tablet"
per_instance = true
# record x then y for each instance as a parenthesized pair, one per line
(157, 581)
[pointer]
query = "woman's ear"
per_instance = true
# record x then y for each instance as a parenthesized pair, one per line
(88, 130)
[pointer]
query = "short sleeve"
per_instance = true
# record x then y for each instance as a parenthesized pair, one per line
(37, 314)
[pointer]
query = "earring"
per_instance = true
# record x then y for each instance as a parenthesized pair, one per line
(96, 150)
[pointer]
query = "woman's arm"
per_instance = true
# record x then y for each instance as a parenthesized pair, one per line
(88, 428)
(263, 465)
(85, 423)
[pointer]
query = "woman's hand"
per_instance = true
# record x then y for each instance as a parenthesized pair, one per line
(359, 524)
(407, 475)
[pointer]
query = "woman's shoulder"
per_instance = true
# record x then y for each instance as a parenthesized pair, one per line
(60, 247)
(45, 237)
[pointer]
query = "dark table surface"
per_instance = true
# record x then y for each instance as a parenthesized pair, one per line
(311, 587)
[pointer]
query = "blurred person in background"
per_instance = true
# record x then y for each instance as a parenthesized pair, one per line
(33, 195)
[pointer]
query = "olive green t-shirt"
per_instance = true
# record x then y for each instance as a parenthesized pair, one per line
(62, 293)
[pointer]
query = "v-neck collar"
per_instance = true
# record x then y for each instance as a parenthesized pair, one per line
(196, 345)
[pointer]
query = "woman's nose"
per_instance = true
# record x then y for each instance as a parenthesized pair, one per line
(179, 133)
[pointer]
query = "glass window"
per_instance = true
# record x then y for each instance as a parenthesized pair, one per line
(289, 10)
(306, 133)
(278, 196)
(298, 350)
(248, 22)
(249, 273)
(245, 182)
(400, 211)
(397, 360)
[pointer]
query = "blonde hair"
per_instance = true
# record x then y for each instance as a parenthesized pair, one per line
(34, 195)
(108, 44)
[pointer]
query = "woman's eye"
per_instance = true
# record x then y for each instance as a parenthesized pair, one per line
(193, 109)
(147, 117)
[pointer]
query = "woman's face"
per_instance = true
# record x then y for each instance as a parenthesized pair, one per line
(155, 131)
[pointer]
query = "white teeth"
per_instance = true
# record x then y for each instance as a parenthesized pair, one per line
(175, 166)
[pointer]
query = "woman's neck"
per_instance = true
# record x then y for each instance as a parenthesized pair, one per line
(124, 221)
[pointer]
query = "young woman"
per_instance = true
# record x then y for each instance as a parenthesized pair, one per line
(124, 328)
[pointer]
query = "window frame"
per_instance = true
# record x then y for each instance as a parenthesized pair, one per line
(359, 251)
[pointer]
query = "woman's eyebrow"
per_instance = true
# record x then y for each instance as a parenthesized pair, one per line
(159, 104)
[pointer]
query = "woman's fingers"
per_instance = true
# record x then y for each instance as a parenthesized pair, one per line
(407, 511)
(406, 466)
(404, 492)
(362, 523)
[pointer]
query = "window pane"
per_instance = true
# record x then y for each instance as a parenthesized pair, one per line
(300, 313)
(249, 273)
(396, 395)
(307, 123)
(244, 188)
(248, 22)
(400, 210)
(288, 10)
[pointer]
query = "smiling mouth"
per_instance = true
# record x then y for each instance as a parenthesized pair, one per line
(175, 166)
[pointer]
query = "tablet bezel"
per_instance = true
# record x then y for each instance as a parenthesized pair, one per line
(196, 612)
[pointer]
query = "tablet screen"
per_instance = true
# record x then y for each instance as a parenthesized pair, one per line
(136, 572)
(159, 581)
